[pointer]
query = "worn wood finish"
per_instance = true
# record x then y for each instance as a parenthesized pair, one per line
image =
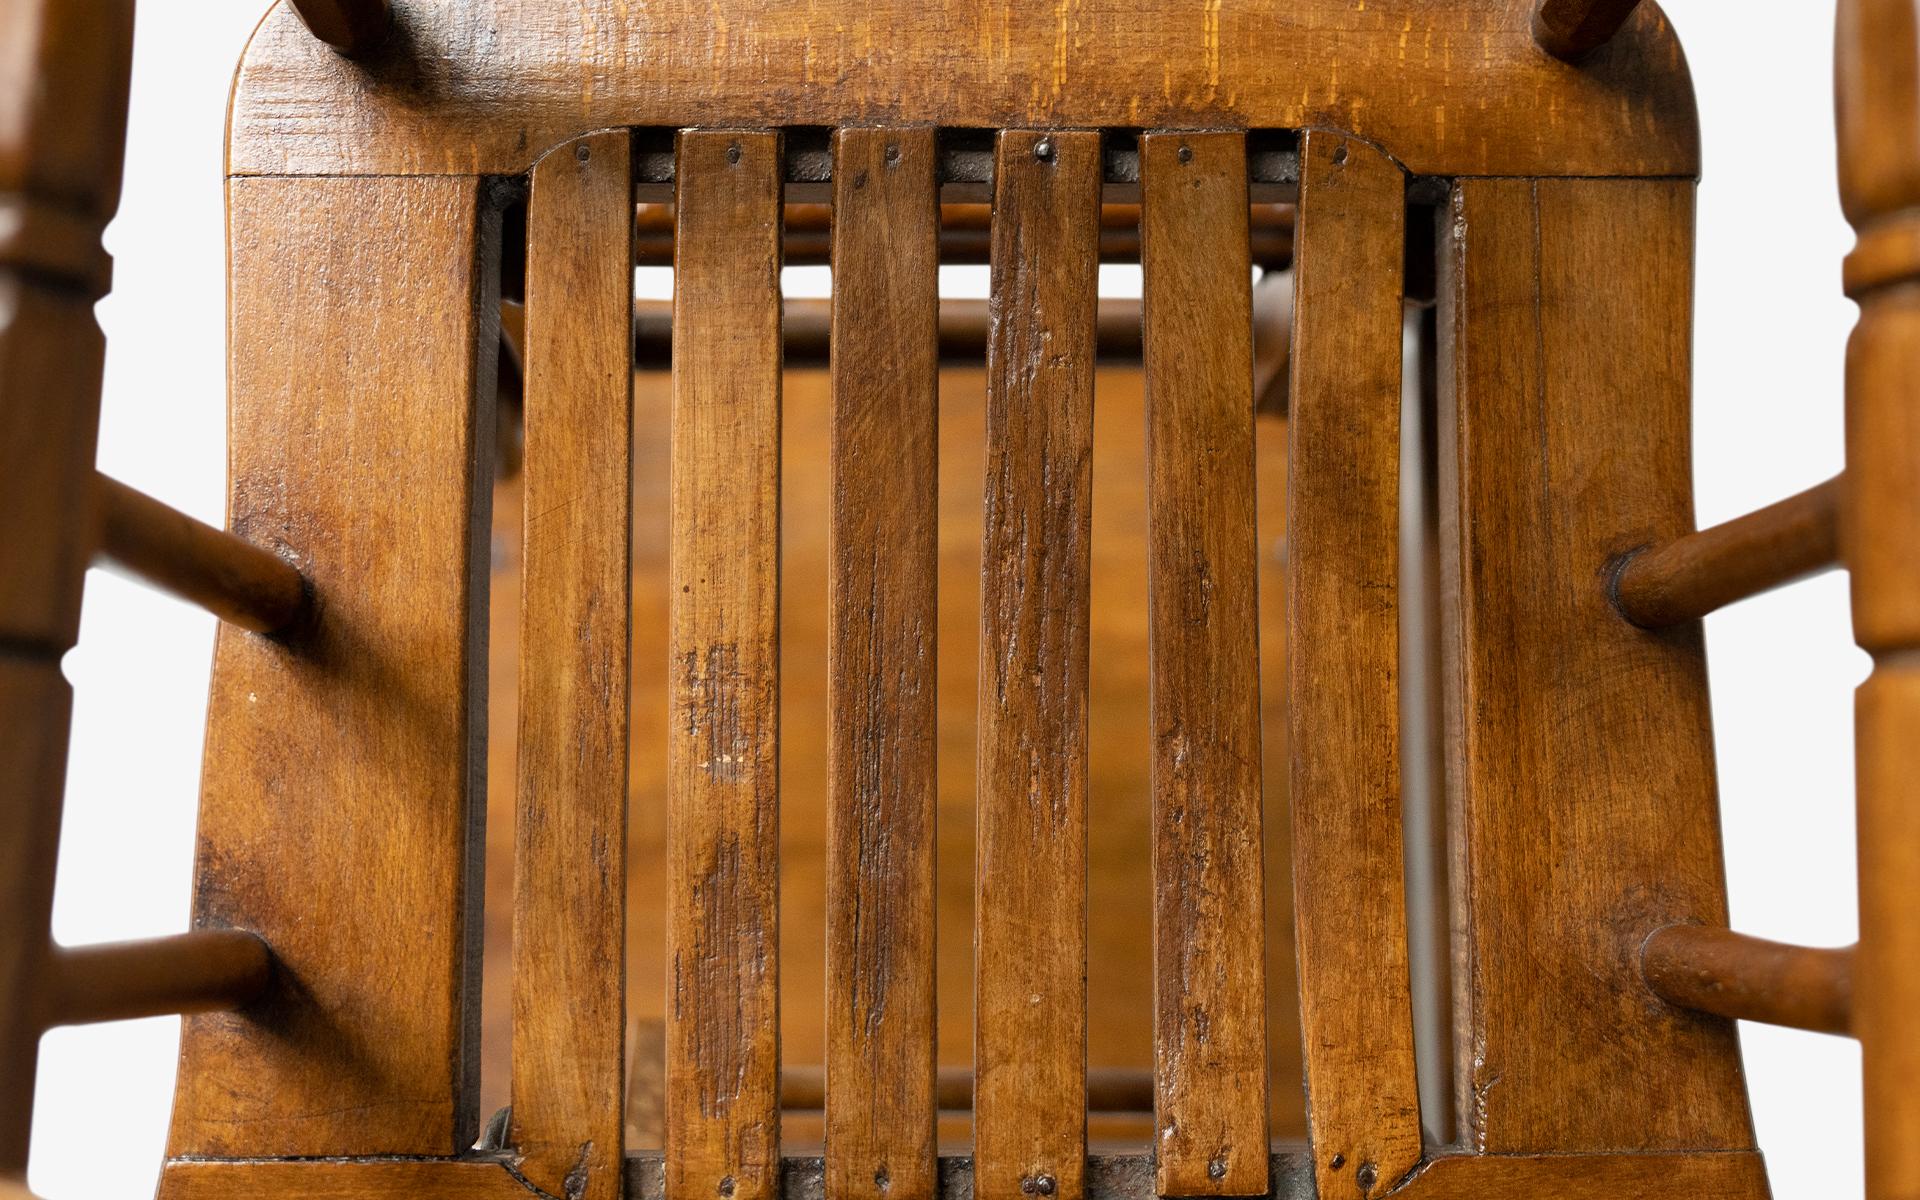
(570, 860)
(1031, 823)
(483, 1179)
(442, 99)
(63, 113)
(1677, 1176)
(1210, 982)
(723, 1045)
(881, 769)
(1343, 523)
(1733, 975)
(1573, 29)
(231, 578)
(344, 765)
(1692, 575)
(208, 970)
(1877, 78)
(1582, 784)
(352, 27)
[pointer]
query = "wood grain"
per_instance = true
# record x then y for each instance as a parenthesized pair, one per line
(723, 1045)
(1709, 1176)
(1030, 908)
(352, 27)
(1343, 633)
(1210, 982)
(570, 869)
(1579, 759)
(341, 786)
(443, 98)
(375, 1179)
(882, 780)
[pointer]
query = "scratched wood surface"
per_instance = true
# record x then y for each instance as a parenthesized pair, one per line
(1209, 913)
(882, 781)
(723, 1044)
(569, 949)
(1031, 821)
(1557, 298)
(1343, 512)
(344, 763)
(1448, 86)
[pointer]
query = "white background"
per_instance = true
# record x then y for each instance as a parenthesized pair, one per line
(1771, 327)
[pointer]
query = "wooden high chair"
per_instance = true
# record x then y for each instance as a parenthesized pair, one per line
(1526, 168)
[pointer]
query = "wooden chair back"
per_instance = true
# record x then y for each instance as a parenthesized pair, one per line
(1591, 975)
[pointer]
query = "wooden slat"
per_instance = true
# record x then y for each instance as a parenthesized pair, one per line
(1693, 575)
(1708, 1176)
(881, 1108)
(570, 835)
(723, 1133)
(208, 970)
(1209, 897)
(342, 791)
(1579, 764)
(1733, 975)
(231, 578)
(1031, 833)
(1343, 636)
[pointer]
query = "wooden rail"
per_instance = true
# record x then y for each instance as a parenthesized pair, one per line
(1573, 29)
(1109, 1089)
(1693, 575)
(353, 27)
(232, 578)
(208, 970)
(1750, 979)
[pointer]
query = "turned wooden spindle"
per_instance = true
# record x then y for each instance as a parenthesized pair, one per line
(353, 27)
(64, 69)
(1877, 86)
(208, 970)
(1573, 29)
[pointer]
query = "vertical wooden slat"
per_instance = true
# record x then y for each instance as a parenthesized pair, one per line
(1877, 85)
(723, 1042)
(1579, 757)
(1209, 897)
(1030, 906)
(1343, 515)
(342, 789)
(881, 1109)
(569, 925)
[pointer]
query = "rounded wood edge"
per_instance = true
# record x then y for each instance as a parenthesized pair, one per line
(337, 120)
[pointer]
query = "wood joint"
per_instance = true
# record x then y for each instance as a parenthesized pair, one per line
(1750, 979)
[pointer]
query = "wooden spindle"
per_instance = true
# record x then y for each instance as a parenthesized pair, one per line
(352, 27)
(1209, 936)
(1877, 98)
(1691, 576)
(884, 559)
(723, 1045)
(235, 580)
(208, 970)
(1750, 979)
(63, 114)
(1030, 908)
(1573, 29)
(570, 831)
